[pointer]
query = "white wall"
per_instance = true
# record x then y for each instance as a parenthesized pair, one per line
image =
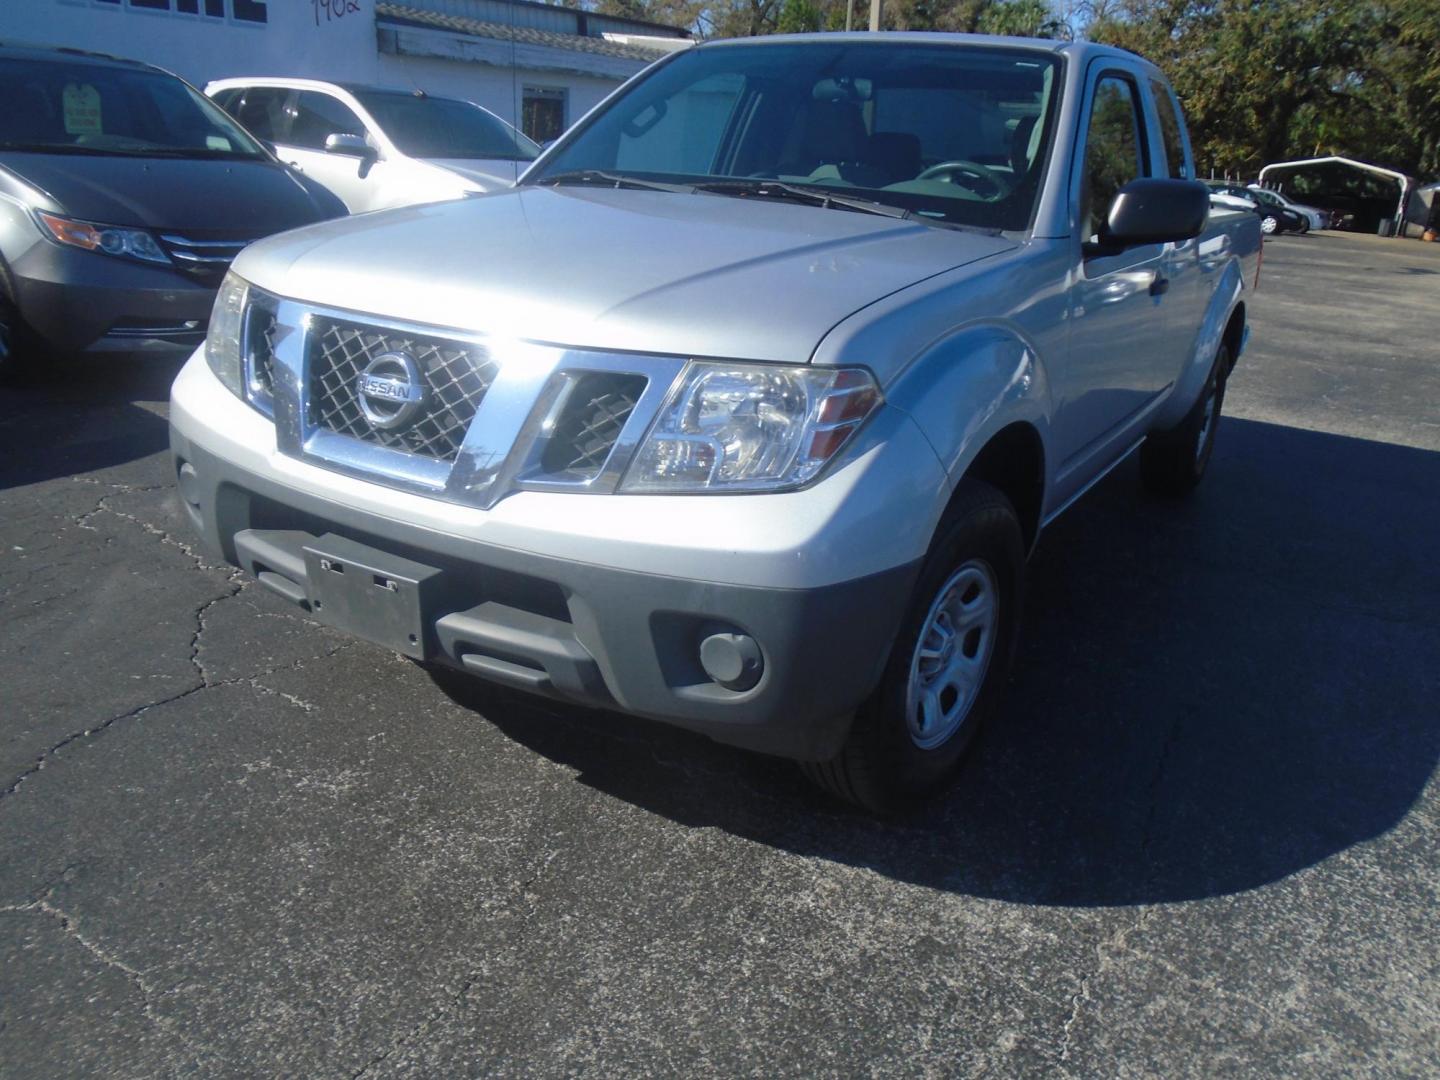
(201, 48)
(300, 38)
(489, 86)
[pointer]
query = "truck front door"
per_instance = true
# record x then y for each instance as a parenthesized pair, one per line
(1118, 341)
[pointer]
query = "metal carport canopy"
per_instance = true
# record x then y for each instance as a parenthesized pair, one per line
(1406, 182)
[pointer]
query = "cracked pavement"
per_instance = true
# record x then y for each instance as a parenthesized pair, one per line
(233, 842)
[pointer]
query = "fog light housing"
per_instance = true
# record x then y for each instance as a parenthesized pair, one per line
(734, 661)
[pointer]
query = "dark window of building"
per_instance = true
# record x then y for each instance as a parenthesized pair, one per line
(543, 113)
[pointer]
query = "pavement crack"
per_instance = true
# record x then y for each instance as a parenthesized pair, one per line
(252, 681)
(90, 732)
(70, 927)
(1104, 951)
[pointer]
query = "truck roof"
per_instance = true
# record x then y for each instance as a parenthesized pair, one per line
(1081, 50)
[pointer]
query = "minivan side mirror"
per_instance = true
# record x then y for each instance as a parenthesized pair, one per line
(349, 145)
(1154, 211)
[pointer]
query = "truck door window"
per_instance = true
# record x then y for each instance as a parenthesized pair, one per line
(315, 117)
(1113, 150)
(1170, 132)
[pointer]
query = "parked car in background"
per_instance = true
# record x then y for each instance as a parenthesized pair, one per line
(1274, 218)
(1315, 217)
(377, 148)
(124, 195)
(795, 347)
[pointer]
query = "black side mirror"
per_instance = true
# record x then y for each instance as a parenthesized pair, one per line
(1153, 211)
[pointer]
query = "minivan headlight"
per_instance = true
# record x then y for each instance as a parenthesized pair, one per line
(751, 427)
(109, 239)
(222, 338)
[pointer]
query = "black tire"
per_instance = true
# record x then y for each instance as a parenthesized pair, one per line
(1269, 225)
(1173, 462)
(15, 344)
(1304, 226)
(882, 767)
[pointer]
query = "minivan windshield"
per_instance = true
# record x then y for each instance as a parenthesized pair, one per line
(56, 107)
(426, 127)
(955, 134)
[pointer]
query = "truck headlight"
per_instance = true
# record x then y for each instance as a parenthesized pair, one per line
(222, 339)
(751, 427)
(110, 239)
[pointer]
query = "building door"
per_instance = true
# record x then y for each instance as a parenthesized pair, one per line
(542, 116)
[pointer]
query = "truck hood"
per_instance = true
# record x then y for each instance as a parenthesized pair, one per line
(489, 174)
(248, 198)
(620, 270)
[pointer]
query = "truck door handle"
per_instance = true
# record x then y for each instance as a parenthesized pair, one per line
(1159, 286)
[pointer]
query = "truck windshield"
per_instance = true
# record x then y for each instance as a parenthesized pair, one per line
(953, 134)
(426, 127)
(55, 107)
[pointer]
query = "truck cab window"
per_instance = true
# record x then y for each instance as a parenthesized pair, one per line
(1170, 132)
(1113, 154)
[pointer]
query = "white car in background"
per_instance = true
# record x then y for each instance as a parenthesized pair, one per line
(377, 148)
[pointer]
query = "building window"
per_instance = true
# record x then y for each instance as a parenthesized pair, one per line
(542, 116)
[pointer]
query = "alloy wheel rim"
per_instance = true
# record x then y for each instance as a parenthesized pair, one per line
(952, 655)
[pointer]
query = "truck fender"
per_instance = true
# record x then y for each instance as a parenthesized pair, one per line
(1223, 302)
(966, 387)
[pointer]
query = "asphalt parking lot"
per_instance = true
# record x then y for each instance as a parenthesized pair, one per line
(1204, 842)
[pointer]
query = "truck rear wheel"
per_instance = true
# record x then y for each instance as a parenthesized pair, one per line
(948, 665)
(1173, 462)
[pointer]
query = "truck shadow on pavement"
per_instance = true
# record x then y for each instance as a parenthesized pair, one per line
(1210, 696)
(83, 416)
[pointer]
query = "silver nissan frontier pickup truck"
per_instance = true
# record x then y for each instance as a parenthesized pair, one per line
(744, 409)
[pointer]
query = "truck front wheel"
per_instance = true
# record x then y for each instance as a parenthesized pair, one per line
(948, 666)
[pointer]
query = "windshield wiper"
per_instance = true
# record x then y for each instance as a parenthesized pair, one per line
(615, 180)
(779, 189)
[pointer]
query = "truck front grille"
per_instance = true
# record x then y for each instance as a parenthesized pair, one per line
(455, 374)
(590, 423)
(261, 336)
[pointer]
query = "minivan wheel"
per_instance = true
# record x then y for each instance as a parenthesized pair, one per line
(12, 353)
(947, 668)
(1173, 462)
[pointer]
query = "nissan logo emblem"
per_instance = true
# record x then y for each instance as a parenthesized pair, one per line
(390, 390)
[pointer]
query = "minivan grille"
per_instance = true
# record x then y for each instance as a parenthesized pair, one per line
(590, 423)
(456, 376)
(206, 260)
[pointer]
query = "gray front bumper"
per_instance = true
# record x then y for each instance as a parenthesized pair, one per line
(602, 636)
(80, 301)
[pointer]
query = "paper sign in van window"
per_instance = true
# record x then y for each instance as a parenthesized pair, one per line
(82, 109)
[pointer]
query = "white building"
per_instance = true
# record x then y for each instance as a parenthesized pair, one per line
(539, 66)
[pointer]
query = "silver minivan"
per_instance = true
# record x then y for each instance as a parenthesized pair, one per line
(378, 148)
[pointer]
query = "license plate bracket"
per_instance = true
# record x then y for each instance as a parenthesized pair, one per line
(383, 598)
